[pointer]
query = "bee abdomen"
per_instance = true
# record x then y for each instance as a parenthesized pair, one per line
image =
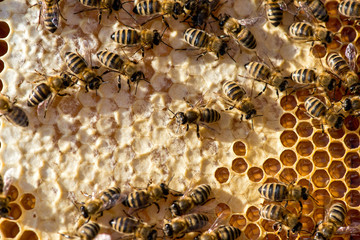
(90, 3)
(271, 212)
(137, 199)
(274, 13)
(126, 37)
(301, 30)
(195, 37)
(247, 39)
(74, 62)
(209, 115)
(196, 221)
(303, 76)
(147, 7)
(349, 8)
(273, 191)
(258, 70)
(315, 107)
(110, 60)
(233, 91)
(51, 18)
(337, 64)
(89, 231)
(228, 233)
(18, 116)
(38, 95)
(110, 196)
(124, 224)
(319, 10)
(337, 214)
(200, 194)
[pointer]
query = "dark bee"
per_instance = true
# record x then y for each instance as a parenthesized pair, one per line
(282, 217)
(314, 9)
(179, 226)
(80, 68)
(5, 199)
(197, 196)
(49, 14)
(124, 66)
(350, 9)
(275, 11)
(335, 218)
(310, 77)
(220, 233)
(352, 105)
(305, 31)
(135, 227)
(12, 113)
(198, 11)
(87, 231)
(317, 109)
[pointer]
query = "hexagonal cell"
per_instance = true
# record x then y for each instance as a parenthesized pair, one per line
(287, 120)
(351, 123)
(353, 198)
(337, 169)
(271, 236)
(239, 148)
(27, 201)
(348, 34)
(253, 213)
(255, 174)
(304, 167)
(322, 197)
(4, 29)
(301, 113)
(308, 223)
(352, 217)
(320, 139)
(238, 221)
(333, 24)
(302, 95)
(336, 133)
(239, 165)
(288, 175)
(288, 157)
(336, 149)
(222, 209)
(321, 158)
(3, 47)
(351, 140)
(318, 51)
(335, 44)
(304, 148)
(222, 174)
(271, 166)
(9, 229)
(2, 66)
(288, 138)
(337, 189)
(267, 225)
(305, 183)
(29, 235)
(70, 105)
(308, 206)
(304, 129)
(352, 160)
(352, 179)
(331, 7)
(319, 214)
(15, 211)
(252, 231)
(288, 103)
(13, 193)
(320, 178)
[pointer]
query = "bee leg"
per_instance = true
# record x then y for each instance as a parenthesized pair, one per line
(262, 91)
(165, 22)
(157, 206)
(119, 83)
(86, 88)
(99, 16)
(197, 131)
(241, 118)
(128, 82)
(187, 127)
(322, 128)
(202, 54)
(277, 94)
(301, 208)
(63, 94)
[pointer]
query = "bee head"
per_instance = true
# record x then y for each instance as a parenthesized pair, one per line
(223, 19)
(223, 48)
(175, 209)
(297, 227)
(188, 5)
(283, 85)
(116, 5)
(319, 236)
(84, 212)
(137, 76)
(329, 37)
(164, 189)
(250, 114)
(157, 37)
(355, 88)
(331, 85)
(95, 83)
(66, 80)
(347, 105)
(4, 211)
(304, 193)
(339, 121)
(181, 118)
(168, 230)
(4, 105)
(152, 235)
(178, 9)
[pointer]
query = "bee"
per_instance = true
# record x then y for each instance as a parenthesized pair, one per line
(236, 98)
(47, 91)
(206, 42)
(197, 196)
(352, 105)
(198, 11)
(261, 72)
(80, 68)
(133, 226)
(282, 217)
(87, 231)
(179, 226)
(220, 233)
(5, 183)
(13, 113)
(315, 108)
(307, 32)
(49, 14)
(335, 218)
(349, 8)
(310, 77)
(314, 9)
(275, 11)
(240, 33)
(124, 66)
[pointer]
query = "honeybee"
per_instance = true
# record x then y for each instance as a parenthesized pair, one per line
(12, 113)
(46, 92)
(220, 233)
(80, 68)
(310, 77)
(315, 108)
(5, 199)
(236, 98)
(198, 11)
(49, 14)
(282, 217)
(137, 228)
(349, 8)
(335, 218)
(124, 66)
(179, 226)
(275, 11)
(88, 231)
(314, 9)
(197, 196)
(352, 105)
(307, 32)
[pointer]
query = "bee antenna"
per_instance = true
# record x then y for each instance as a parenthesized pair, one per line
(230, 56)
(172, 113)
(166, 44)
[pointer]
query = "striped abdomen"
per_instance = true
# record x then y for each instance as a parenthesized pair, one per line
(110, 60)
(201, 193)
(318, 10)
(137, 199)
(273, 212)
(91, 3)
(337, 64)
(304, 76)
(147, 7)
(258, 70)
(124, 224)
(209, 115)
(349, 8)
(126, 37)
(109, 197)
(301, 30)
(274, 191)
(89, 231)
(17, 116)
(227, 233)
(337, 214)
(50, 15)
(196, 221)
(196, 37)
(246, 39)
(315, 107)
(75, 63)
(274, 12)
(39, 94)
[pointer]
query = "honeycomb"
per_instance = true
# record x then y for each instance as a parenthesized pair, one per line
(90, 140)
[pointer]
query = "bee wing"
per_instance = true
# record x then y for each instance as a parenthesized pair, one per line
(9, 178)
(116, 199)
(252, 21)
(305, 7)
(351, 229)
(220, 220)
(350, 53)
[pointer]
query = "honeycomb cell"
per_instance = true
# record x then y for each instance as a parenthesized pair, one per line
(267, 225)
(288, 175)
(304, 167)
(346, 20)
(2, 65)
(305, 183)
(287, 120)
(335, 44)
(308, 223)
(288, 103)
(305, 148)
(9, 229)
(301, 113)
(15, 212)
(336, 149)
(252, 231)
(239, 165)
(320, 178)
(255, 174)
(352, 217)
(319, 214)
(318, 51)
(352, 179)
(271, 166)
(352, 160)
(308, 206)
(302, 95)
(348, 34)
(222, 174)
(271, 237)
(351, 123)
(239, 148)
(238, 221)
(304, 129)
(13, 193)
(337, 189)
(288, 157)
(288, 138)
(4, 29)
(351, 140)
(320, 139)
(29, 235)
(222, 209)
(27, 201)
(337, 169)
(353, 198)
(3, 47)
(336, 133)
(321, 158)
(332, 7)
(253, 214)
(322, 197)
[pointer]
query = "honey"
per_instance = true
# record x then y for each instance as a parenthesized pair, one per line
(319, 214)
(28, 235)
(9, 229)
(353, 217)
(288, 103)
(222, 174)
(253, 214)
(301, 113)
(348, 34)
(336, 133)
(308, 223)
(255, 174)
(320, 178)
(320, 139)
(15, 212)
(27, 201)
(288, 157)
(351, 140)
(304, 167)
(332, 7)
(352, 179)
(353, 198)
(302, 95)
(13, 193)
(322, 197)
(337, 169)
(308, 206)
(288, 175)
(318, 51)
(336, 149)
(287, 120)
(351, 123)
(271, 166)
(239, 165)
(337, 189)
(333, 25)
(352, 160)
(267, 225)
(304, 148)
(239, 148)
(238, 221)
(252, 231)
(288, 138)
(304, 129)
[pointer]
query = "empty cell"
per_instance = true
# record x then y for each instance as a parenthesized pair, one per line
(351, 123)
(288, 157)
(28, 201)
(352, 160)
(322, 196)
(238, 221)
(337, 189)
(13, 193)
(318, 51)
(351, 140)
(287, 120)
(321, 158)
(352, 217)
(252, 231)
(239, 165)
(332, 7)
(70, 105)
(304, 129)
(316, 123)
(15, 212)
(308, 223)
(2, 65)
(337, 169)
(301, 113)
(336, 133)
(352, 179)
(308, 206)
(222, 209)
(271, 166)
(353, 198)
(302, 95)
(320, 139)
(239, 148)
(4, 29)
(222, 174)
(28, 235)
(348, 34)
(304, 148)
(336, 149)
(335, 44)
(320, 178)
(319, 214)
(267, 225)
(255, 174)
(9, 229)
(3, 47)
(288, 103)
(288, 175)
(304, 167)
